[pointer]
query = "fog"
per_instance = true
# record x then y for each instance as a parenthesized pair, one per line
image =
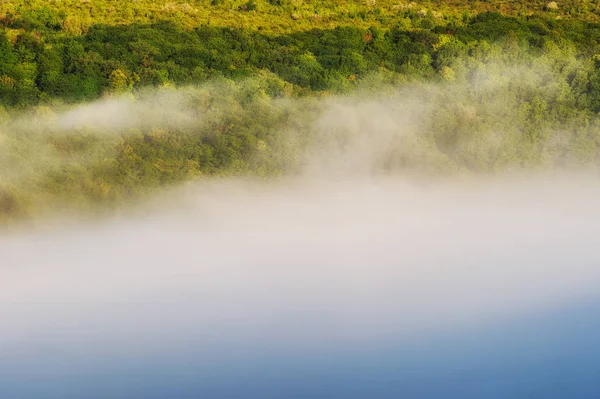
(354, 259)
(337, 256)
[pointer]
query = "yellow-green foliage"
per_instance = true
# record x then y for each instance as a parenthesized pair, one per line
(275, 16)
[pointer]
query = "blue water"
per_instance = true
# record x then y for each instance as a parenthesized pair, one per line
(550, 354)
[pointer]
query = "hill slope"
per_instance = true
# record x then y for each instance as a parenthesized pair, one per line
(497, 90)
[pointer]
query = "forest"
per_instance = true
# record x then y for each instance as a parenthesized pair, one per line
(241, 88)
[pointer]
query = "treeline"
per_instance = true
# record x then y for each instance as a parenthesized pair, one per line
(38, 68)
(276, 16)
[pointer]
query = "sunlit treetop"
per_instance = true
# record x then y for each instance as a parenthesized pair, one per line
(275, 16)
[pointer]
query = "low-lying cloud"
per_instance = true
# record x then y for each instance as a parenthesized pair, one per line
(344, 260)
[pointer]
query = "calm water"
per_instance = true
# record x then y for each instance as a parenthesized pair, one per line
(554, 354)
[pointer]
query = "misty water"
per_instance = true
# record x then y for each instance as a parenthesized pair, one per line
(480, 287)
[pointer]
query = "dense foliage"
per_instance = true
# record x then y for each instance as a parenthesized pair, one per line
(517, 88)
(40, 61)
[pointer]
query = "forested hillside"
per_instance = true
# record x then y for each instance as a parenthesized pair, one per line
(506, 84)
(78, 50)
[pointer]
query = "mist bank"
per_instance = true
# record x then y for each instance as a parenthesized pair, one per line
(229, 273)
(118, 150)
(403, 252)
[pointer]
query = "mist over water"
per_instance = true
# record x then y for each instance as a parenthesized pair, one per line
(353, 275)
(308, 288)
